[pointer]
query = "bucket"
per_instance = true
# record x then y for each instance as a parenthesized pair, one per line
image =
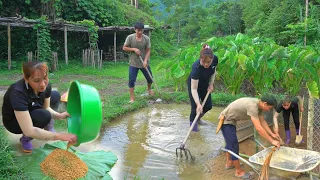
(84, 107)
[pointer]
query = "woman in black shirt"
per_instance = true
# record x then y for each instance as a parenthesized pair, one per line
(201, 81)
(287, 106)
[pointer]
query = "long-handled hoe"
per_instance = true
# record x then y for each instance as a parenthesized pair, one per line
(159, 99)
(182, 146)
(299, 136)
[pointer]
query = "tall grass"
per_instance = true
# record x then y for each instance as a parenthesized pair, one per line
(8, 168)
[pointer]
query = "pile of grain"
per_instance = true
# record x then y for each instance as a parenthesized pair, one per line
(64, 165)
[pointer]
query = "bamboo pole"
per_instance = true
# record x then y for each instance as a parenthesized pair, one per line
(115, 46)
(53, 63)
(82, 57)
(37, 52)
(9, 47)
(66, 44)
(101, 52)
(57, 61)
(93, 59)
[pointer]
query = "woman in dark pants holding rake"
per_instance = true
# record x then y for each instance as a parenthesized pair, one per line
(200, 82)
(287, 106)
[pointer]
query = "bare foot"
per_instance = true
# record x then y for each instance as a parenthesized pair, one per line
(229, 163)
(240, 173)
(151, 92)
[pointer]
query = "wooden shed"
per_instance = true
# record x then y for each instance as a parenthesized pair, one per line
(111, 32)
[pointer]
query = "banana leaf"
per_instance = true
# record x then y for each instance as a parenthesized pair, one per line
(313, 89)
(99, 162)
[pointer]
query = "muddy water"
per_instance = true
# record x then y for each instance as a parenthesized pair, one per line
(145, 143)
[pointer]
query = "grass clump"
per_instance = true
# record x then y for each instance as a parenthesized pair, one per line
(8, 168)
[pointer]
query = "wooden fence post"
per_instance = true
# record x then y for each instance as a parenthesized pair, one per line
(9, 47)
(66, 44)
(54, 61)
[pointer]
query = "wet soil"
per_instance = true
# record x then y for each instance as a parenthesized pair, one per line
(249, 147)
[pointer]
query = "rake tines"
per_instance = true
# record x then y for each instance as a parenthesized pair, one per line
(186, 152)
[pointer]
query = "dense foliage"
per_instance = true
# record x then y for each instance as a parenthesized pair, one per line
(260, 62)
(90, 13)
(284, 21)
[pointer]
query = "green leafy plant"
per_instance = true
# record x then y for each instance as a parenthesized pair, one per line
(93, 32)
(43, 39)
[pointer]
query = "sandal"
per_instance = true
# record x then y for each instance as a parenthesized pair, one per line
(245, 176)
(229, 167)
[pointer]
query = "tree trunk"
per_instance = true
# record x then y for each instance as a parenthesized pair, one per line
(306, 24)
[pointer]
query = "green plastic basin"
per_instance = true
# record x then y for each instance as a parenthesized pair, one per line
(84, 107)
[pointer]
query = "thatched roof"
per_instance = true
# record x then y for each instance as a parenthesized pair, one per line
(59, 25)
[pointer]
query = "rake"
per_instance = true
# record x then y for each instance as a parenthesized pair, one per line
(182, 146)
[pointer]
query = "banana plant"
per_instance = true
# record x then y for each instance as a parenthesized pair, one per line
(312, 67)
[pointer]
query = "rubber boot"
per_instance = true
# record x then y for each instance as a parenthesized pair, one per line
(50, 126)
(288, 137)
(26, 144)
(195, 128)
(200, 122)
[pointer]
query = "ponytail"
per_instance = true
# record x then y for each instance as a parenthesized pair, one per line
(206, 51)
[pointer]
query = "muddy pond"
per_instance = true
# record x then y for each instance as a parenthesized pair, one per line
(145, 142)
